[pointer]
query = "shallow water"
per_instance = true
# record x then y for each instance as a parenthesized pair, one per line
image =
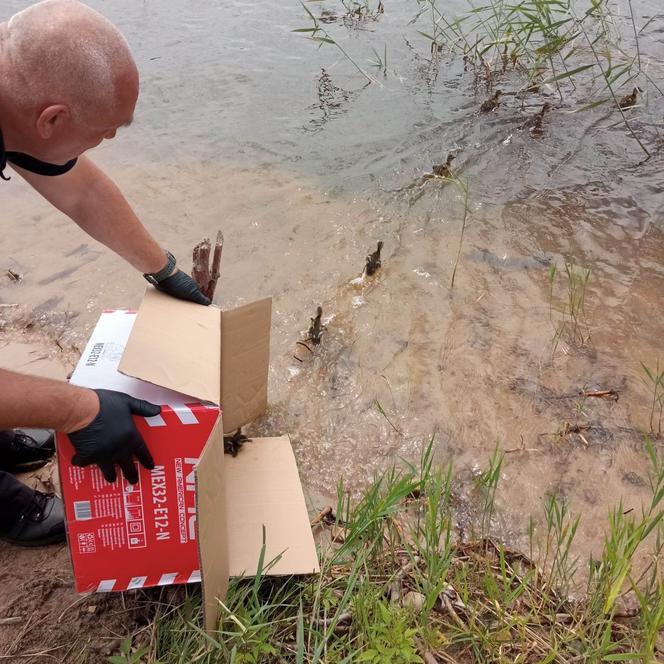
(238, 128)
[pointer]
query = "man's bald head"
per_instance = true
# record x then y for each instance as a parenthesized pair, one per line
(63, 52)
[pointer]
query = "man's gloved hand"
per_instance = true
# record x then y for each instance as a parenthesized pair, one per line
(182, 286)
(112, 437)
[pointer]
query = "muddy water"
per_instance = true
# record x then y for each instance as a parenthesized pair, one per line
(236, 128)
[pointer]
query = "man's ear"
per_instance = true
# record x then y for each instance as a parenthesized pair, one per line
(51, 119)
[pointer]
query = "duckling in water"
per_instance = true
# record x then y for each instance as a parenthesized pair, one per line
(629, 100)
(316, 328)
(373, 260)
(444, 170)
(536, 129)
(492, 102)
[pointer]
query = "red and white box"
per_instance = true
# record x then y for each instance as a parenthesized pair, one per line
(118, 531)
(198, 515)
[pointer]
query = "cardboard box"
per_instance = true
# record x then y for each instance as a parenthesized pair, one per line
(198, 515)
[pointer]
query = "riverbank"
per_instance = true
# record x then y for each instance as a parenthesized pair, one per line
(406, 580)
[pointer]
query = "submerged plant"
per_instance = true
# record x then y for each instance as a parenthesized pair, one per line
(654, 380)
(465, 190)
(572, 324)
(320, 35)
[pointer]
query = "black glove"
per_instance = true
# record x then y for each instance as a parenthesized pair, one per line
(182, 286)
(112, 438)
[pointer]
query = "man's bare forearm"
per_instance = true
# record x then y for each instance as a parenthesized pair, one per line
(104, 213)
(28, 401)
(94, 202)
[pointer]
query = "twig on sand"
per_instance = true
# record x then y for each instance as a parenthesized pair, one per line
(609, 395)
(522, 448)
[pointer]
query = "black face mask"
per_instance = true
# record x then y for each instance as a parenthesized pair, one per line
(3, 159)
(29, 163)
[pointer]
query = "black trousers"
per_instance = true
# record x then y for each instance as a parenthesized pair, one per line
(14, 498)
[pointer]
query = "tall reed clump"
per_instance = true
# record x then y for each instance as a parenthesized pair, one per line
(399, 585)
(560, 43)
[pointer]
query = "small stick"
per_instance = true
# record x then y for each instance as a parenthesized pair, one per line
(324, 514)
(205, 276)
(344, 618)
(301, 343)
(571, 428)
(523, 448)
(200, 270)
(452, 612)
(216, 261)
(602, 394)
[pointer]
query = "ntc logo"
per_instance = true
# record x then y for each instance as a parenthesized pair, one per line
(190, 485)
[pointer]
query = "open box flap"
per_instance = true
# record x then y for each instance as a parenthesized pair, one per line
(175, 344)
(211, 527)
(263, 489)
(237, 500)
(245, 357)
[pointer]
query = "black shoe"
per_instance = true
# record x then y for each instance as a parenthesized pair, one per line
(41, 522)
(22, 450)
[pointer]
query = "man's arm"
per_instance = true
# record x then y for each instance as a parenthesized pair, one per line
(99, 422)
(28, 401)
(93, 201)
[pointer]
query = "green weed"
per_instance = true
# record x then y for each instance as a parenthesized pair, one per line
(317, 33)
(128, 654)
(571, 306)
(655, 382)
(465, 189)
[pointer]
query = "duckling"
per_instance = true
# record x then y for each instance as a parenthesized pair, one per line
(444, 170)
(373, 260)
(234, 442)
(492, 102)
(629, 100)
(536, 129)
(316, 328)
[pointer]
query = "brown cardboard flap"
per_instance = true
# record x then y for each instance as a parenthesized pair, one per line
(263, 489)
(175, 344)
(211, 525)
(245, 356)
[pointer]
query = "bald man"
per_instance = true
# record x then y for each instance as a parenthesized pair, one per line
(67, 82)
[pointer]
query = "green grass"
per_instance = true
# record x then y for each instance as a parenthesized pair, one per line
(399, 586)
(654, 380)
(571, 304)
